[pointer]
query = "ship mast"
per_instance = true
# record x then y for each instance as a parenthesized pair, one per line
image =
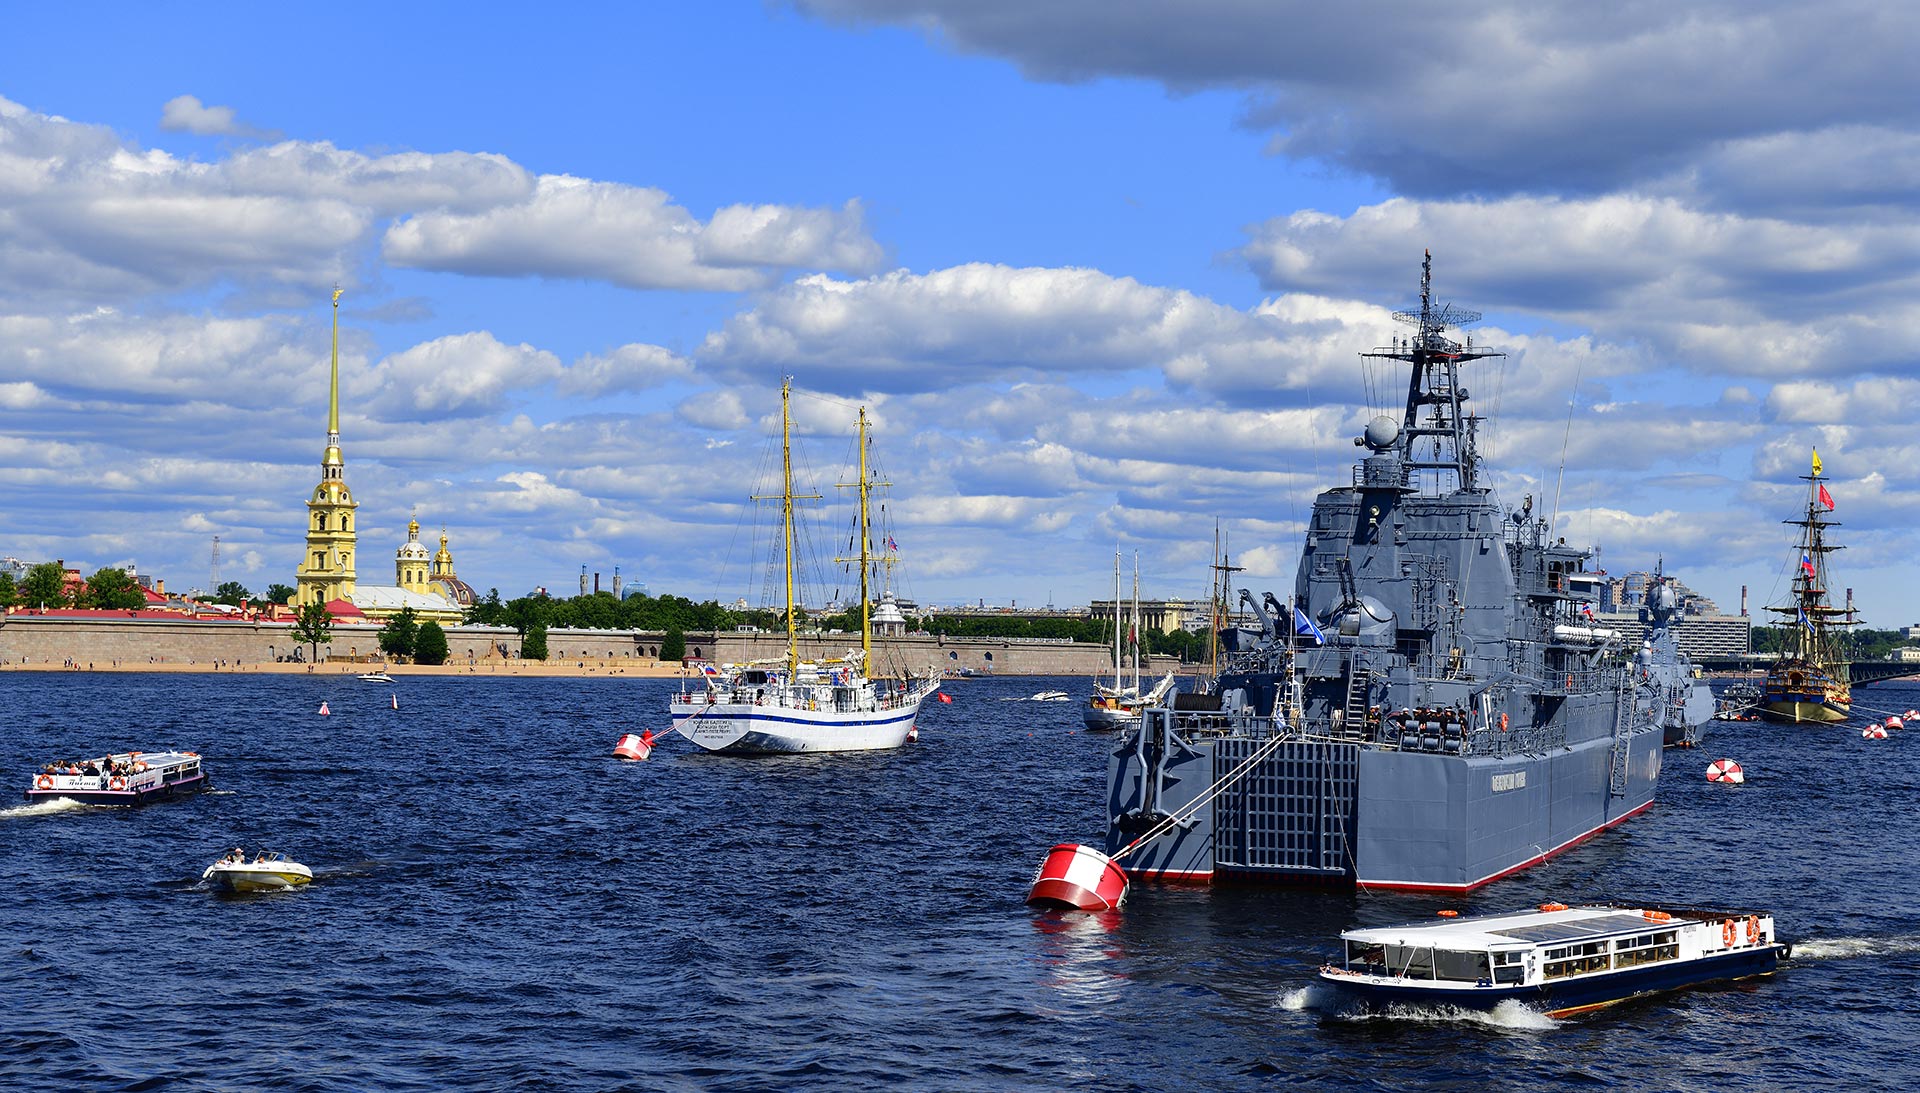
(1441, 442)
(866, 550)
(1810, 612)
(786, 521)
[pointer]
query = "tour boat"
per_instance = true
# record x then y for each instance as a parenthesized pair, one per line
(788, 705)
(124, 778)
(1559, 959)
(265, 873)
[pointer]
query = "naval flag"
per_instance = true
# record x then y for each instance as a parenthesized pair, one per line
(1825, 497)
(1304, 627)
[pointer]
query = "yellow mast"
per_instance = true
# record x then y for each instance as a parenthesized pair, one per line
(866, 546)
(786, 522)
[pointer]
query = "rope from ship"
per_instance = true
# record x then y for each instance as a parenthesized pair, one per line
(1245, 768)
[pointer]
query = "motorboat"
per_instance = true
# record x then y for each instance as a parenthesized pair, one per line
(376, 677)
(123, 778)
(1558, 959)
(267, 872)
(1049, 696)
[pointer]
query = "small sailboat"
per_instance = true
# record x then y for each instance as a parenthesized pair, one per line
(1119, 706)
(1809, 683)
(267, 872)
(790, 705)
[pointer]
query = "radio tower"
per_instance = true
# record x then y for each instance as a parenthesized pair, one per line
(215, 585)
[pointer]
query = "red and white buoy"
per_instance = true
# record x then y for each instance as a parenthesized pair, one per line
(1726, 770)
(1910, 714)
(1874, 732)
(635, 746)
(1078, 878)
(323, 709)
(913, 734)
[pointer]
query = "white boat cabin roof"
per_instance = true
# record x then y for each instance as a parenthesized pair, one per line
(1519, 929)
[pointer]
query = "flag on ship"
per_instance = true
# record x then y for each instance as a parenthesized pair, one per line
(1304, 627)
(891, 545)
(1586, 608)
(1826, 498)
(1804, 621)
(1816, 461)
(709, 669)
(1806, 564)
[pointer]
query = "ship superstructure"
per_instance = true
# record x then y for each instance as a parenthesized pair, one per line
(1431, 711)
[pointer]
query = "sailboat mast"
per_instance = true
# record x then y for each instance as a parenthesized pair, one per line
(786, 521)
(1133, 624)
(866, 552)
(1116, 620)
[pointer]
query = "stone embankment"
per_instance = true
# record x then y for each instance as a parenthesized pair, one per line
(106, 643)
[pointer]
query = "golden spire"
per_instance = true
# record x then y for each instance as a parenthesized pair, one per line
(333, 387)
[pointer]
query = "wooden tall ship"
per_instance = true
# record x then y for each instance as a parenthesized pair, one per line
(1809, 683)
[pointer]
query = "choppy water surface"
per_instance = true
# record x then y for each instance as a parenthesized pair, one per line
(498, 904)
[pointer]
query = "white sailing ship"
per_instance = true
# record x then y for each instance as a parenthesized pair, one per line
(1118, 707)
(790, 705)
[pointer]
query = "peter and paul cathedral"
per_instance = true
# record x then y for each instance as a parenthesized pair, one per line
(326, 571)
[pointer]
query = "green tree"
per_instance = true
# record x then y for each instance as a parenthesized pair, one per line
(9, 593)
(231, 593)
(675, 645)
(280, 593)
(112, 589)
(534, 645)
(488, 611)
(430, 645)
(397, 637)
(313, 626)
(44, 586)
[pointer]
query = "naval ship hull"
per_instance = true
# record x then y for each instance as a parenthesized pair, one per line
(1337, 814)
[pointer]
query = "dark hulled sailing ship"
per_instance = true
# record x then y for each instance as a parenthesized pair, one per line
(1430, 713)
(1809, 683)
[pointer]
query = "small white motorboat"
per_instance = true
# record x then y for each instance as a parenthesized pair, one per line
(376, 677)
(1050, 696)
(265, 873)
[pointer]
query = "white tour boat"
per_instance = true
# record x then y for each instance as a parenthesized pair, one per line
(1558, 959)
(265, 873)
(124, 778)
(376, 677)
(792, 705)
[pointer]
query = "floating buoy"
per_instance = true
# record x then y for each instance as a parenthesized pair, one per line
(1895, 723)
(396, 701)
(634, 746)
(1911, 714)
(913, 734)
(1078, 878)
(1726, 770)
(1874, 732)
(323, 709)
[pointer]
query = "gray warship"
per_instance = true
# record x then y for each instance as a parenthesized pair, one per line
(1672, 695)
(1431, 712)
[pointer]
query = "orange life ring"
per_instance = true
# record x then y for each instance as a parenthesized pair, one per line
(1753, 928)
(1449, 914)
(117, 782)
(1727, 933)
(45, 781)
(1656, 916)
(139, 768)
(1553, 907)
(1503, 722)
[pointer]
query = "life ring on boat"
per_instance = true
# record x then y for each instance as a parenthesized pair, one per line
(45, 781)
(1753, 928)
(117, 782)
(1727, 933)
(139, 768)
(1503, 722)
(1449, 914)
(1553, 907)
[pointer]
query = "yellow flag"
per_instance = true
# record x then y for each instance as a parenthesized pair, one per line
(336, 303)
(1816, 461)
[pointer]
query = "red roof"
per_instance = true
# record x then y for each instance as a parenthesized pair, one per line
(341, 609)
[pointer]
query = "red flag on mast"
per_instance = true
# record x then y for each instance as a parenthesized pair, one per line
(1825, 497)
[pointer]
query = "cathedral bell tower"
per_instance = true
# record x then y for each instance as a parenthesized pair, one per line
(326, 570)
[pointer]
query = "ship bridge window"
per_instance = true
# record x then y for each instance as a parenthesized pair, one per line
(1470, 967)
(1507, 967)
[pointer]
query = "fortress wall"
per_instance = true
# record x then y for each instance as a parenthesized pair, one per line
(42, 640)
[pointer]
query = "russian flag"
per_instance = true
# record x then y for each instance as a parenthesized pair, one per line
(709, 669)
(1806, 564)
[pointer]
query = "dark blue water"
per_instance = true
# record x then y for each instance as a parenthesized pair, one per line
(498, 905)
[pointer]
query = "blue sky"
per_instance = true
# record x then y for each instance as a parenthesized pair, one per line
(1100, 271)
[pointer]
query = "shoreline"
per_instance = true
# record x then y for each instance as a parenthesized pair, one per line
(576, 669)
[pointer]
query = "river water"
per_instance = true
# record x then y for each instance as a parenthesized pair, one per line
(498, 904)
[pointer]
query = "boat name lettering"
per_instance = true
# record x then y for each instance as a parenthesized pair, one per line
(1504, 782)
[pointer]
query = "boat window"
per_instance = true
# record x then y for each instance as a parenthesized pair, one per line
(1470, 967)
(1362, 956)
(1646, 949)
(1579, 960)
(1409, 962)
